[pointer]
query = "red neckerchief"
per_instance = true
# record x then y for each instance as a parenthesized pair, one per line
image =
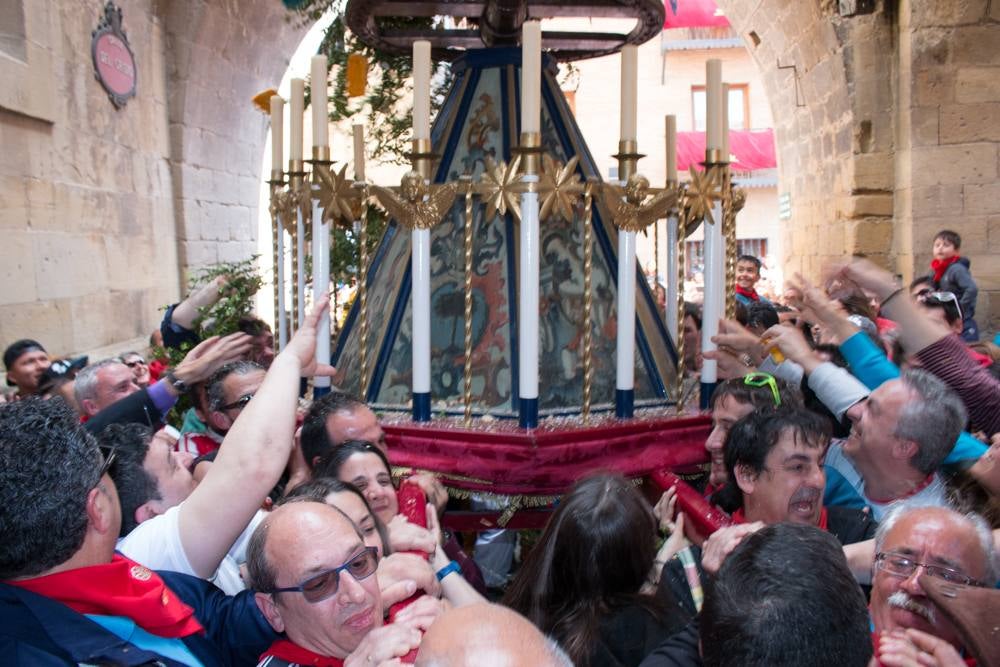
(739, 517)
(940, 266)
(286, 650)
(119, 588)
(912, 492)
(748, 293)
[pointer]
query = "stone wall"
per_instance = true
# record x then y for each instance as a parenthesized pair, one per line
(103, 211)
(86, 207)
(887, 129)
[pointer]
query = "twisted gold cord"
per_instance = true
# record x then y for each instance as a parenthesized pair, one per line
(363, 298)
(681, 231)
(467, 375)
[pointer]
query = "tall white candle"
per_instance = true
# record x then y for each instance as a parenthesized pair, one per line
(528, 295)
(630, 91)
(420, 306)
(421, 89)
(277, 132)
(670, 123)
(713, 104)
(714, 298)
(321, 123)
(625, 337)
(359, 151)
(321, 286)
(531, 76)
(296, 106)
(725, 122)
(279, 277)
(671, 305)
(300, 265)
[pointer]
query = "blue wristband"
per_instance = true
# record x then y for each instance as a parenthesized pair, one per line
(453, 566)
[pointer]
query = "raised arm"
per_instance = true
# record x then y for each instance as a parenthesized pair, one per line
(252, 457)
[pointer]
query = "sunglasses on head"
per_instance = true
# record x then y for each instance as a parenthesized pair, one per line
(944, 299)
(321, 586)
(109, 454)
(760, 379)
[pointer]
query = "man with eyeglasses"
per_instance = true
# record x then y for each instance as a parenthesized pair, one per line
(913, 541)
(316, 582)
(227, 392)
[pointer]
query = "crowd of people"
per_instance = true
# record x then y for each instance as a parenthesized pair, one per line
(854, 453)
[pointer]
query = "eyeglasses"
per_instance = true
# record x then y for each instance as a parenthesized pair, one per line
(321, 586)
(759, 379)
(238, 404)
(109, 454)
(940, 299)
(134, 363)
(903, 567)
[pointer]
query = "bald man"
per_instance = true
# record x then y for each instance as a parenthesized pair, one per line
(316, 582)
(487, 634)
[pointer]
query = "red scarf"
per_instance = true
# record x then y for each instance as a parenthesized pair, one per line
(940, 266)
(739, 517)
(119, 588)
(286, 650)
(748, 293)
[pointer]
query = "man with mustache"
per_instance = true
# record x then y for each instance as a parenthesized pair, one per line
(774, 466)
(915, 540)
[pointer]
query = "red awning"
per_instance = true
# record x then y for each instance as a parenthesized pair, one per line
(749, 150)
(693, 14)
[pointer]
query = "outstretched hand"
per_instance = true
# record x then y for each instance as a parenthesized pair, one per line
(212, 353)
(302, 346)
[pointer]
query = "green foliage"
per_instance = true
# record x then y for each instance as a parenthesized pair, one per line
(243, 282)
(389, 91)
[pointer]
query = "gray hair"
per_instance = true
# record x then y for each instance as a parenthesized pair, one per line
(933, 421)
(85, 387)
(213, 388)
(902, 508)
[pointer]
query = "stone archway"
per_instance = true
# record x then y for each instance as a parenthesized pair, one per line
(887, 128)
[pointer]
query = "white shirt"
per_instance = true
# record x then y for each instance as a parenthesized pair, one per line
(156, 543)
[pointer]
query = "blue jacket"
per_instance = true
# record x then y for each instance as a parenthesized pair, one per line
(35, 630)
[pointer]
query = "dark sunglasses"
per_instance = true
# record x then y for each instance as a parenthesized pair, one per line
(321, 586)
(133, 364)
(238, 404)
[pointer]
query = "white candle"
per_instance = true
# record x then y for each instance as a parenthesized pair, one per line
(277, 132)
(528, 292)
(671, 141)
(531, 76)
(321, 286)
(713, 104)
(420, 306)
(297, 106)
(714, 298)
(421, 89)
(725, 122)
(321, 123)
(671, 305)
(359, 151)
(625, 337)
(630, 91)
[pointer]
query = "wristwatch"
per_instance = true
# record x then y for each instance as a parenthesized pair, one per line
(178, 384)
